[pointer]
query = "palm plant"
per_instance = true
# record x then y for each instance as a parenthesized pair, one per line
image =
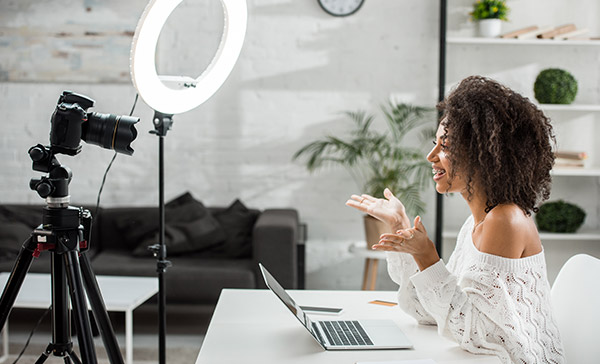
(377, 160)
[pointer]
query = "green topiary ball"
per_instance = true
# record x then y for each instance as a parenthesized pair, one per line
(555, 86)
(559, 217)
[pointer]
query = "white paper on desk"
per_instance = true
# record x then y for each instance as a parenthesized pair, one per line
(420, 361)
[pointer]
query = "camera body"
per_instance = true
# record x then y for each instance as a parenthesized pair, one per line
(71, 123)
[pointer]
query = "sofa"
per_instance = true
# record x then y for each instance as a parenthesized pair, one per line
(210, 248)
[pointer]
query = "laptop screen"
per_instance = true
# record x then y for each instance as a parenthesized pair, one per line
(283, 296)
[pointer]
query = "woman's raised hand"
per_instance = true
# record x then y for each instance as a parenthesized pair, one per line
(389, 210)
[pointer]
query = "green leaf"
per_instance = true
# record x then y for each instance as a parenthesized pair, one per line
(379, 160)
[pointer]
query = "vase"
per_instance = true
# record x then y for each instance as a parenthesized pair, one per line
(373, 229)
(489, 28)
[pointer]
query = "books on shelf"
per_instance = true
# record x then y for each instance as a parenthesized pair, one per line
(562, 29)
(534, 33)
(518, 32)
(562, 32)
(570, 159)
(573, 34)
(529, 32)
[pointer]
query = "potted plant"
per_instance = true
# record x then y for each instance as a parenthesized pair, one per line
(489, 15)
(379, 159)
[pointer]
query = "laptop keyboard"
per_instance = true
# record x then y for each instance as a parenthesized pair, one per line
(345, 333)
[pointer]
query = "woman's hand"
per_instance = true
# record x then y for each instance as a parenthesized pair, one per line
(389, 210)
(413, 241)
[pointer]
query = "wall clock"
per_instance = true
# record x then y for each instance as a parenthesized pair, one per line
(341, 7)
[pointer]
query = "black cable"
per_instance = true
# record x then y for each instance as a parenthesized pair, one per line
(102, 184)
(111, 163)
(134, 103)
(31, 335)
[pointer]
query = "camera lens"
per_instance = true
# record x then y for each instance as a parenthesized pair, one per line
(110, 131)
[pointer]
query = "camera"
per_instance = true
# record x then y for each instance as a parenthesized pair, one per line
(71, 123)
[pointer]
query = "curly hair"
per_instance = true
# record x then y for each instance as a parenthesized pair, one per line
(498, 139)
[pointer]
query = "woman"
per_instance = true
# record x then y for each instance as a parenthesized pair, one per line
(493, 147)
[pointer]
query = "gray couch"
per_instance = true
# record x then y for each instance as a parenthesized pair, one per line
(224, 255)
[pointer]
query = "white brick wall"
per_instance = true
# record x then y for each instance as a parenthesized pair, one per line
(299, 67)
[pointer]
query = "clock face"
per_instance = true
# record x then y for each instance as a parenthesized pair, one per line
(341, 7)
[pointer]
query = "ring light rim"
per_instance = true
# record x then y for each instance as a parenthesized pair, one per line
(143, 54)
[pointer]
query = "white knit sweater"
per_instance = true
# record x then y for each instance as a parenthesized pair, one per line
(488, 304)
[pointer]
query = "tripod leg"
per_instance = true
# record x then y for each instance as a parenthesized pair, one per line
(45, 355)
(72, 357)
(17, 276)
(100, 314)
(82, 320)
(61, 319)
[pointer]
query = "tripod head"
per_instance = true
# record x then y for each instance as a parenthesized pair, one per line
(55, 187)
(64, 227)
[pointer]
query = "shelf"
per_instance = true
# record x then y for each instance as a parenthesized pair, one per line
(570, 107)
(565, 171)
(578, 236)
(500, 41)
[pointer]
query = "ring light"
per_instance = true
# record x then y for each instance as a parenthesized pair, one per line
(150, 85)
(166, 102)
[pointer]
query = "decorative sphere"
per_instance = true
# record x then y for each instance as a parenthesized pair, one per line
(555, 86)
(559, 217)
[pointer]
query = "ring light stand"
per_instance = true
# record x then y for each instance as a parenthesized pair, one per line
(167, 101)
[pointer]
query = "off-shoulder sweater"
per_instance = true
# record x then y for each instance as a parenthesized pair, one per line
(487, 303)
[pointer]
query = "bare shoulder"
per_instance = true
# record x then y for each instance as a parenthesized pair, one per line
(508, 232)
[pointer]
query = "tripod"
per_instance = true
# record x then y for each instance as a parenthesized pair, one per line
(65, 233)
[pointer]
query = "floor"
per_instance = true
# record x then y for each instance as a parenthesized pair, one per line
(185, 332)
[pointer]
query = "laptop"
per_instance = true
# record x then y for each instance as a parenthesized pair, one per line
(342, 334)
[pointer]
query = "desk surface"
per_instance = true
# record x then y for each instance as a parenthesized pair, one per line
(253, 326)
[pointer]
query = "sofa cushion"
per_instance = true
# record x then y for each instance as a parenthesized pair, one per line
(12, 236)
(238, 222)
(16, 225)
(189, 227)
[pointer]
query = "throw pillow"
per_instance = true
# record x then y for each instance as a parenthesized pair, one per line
(16, 224)
(238, 222)
(12, 237)
(134, 225)
(189, 227)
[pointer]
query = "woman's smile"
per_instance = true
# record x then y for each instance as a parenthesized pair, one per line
(438, 173)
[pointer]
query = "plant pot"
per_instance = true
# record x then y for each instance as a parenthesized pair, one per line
(489, 28)
(373, 229)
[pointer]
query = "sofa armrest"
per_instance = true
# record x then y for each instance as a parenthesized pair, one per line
(274, 244)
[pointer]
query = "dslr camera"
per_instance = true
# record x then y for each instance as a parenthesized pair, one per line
(71, 123)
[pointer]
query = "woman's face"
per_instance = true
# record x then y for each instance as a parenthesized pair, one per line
(442, 168)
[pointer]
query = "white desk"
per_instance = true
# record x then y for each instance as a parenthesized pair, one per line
(120, 294)
(253, 326)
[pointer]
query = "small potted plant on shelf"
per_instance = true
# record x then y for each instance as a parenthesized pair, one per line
(489, 15)
(379, 159)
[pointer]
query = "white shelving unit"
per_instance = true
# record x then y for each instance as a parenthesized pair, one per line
(528, 42)
(582, 172)
(589, 235)
(571, 107)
